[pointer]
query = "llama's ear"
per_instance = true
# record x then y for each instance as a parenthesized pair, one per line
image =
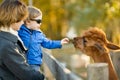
(101, 48)
(113, 46)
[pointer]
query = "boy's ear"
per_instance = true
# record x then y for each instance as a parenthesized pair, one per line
(27, 22)
(113, 46)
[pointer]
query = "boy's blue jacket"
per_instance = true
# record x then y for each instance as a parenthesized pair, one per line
(33, 40)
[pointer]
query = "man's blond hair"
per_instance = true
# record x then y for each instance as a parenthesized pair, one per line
(12, 11)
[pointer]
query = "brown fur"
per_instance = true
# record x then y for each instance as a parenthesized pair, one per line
(94, 43)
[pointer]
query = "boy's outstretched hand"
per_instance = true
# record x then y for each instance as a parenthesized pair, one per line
(64, 41)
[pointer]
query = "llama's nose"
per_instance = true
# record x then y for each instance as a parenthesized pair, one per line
(74, 40)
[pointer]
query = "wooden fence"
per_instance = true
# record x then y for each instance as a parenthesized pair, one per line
(58, 71)
(95, 71)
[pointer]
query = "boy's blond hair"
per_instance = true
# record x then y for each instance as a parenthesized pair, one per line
(12, 11)
(33, 12)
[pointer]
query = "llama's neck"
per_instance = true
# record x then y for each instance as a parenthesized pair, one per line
(105, 57)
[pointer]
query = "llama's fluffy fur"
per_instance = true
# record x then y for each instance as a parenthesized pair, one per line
(94, 43)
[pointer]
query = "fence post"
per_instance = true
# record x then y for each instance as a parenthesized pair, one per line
(98, 71)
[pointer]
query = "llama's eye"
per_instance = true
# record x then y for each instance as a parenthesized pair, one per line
(84, 40)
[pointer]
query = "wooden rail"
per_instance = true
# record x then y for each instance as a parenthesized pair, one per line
(58, 71)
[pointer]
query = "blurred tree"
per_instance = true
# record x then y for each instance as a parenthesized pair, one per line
(104, 14)
(59, 15)
(112, 20)
(86, 13)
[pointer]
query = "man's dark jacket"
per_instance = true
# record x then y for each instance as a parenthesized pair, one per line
(13, 64)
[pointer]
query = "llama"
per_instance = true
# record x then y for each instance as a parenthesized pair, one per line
(93, 42)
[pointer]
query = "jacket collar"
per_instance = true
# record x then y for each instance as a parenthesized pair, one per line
(9, 36)
(23, 27)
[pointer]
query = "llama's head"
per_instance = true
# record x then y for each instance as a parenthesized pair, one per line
(94, 40)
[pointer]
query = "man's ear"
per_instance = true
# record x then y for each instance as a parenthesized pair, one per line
(112, 46)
